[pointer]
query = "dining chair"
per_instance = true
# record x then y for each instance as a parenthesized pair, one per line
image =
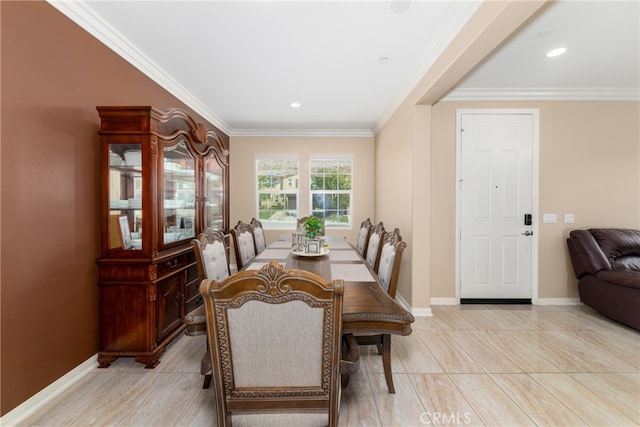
(363, 237)
(388, 269)
(304, 218)
(276, 343)
(373, 246)
(243, 244)
(210, 249)
(258, 235)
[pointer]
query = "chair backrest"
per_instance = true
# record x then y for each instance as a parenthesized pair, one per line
(211, 255)
(374, 246)
(258, 235)
(363, 237)
(275, 345)
(243, 244)
(389, 261)
(304, 218)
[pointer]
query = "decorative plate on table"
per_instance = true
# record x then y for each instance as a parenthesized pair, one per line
(323, 251)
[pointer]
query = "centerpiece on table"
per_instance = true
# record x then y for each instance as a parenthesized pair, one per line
(313, 226)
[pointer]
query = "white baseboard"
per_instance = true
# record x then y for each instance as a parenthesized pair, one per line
(47, 394)
(444, 301)
(540, 301)
(559, 301)
(417, 312)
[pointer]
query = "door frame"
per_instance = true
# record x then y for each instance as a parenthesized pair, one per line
(535, 177)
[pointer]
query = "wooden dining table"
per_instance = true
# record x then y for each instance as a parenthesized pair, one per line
(366, 309)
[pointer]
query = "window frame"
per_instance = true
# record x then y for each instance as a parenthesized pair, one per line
(337, 192)
(267, 223)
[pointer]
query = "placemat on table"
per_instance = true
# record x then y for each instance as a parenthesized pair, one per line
(281, 244)
(274, 253)
(344, 255)
(339, 244)
(351, 273)
(256, 265)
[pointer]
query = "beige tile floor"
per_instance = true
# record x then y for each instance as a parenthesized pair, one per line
(467, 365)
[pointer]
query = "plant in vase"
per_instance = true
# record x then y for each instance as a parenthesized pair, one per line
(312, 226)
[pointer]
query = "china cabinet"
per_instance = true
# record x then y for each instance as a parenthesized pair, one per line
(164, 180)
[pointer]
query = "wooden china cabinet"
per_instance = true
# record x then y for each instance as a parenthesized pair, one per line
(164, 180)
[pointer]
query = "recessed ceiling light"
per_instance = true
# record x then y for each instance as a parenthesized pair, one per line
(556, 52)
(383, 60)
(295, 105)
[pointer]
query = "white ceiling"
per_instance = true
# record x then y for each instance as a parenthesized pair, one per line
(240, 64)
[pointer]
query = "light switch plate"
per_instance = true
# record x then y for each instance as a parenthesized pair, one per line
(569, 219)
(549, 218)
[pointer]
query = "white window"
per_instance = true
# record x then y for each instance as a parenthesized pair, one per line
(330, 187)
(277, 190)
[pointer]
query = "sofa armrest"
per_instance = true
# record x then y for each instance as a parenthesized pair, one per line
(628, 279)
(586, 255)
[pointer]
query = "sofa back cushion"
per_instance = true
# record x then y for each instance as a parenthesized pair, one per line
(620, 246)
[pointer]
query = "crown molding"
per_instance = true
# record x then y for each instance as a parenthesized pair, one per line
(464, 11)
(543, 94)
(303, 133)
(87, 19)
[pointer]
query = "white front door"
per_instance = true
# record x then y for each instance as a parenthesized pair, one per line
(496, 202)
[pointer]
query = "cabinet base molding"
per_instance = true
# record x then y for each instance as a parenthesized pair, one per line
(150, 359)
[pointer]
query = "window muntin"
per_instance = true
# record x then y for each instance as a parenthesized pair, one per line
(277, 189)
(330, 185)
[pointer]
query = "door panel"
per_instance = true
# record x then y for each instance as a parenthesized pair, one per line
(495, 194)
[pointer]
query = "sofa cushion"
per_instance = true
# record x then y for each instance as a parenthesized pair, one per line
(586, 255)
(628, 279)
(620, 246)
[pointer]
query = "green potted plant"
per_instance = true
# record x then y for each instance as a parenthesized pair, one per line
(312, 226)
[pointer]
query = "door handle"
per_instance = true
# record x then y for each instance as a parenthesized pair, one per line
(528, 233)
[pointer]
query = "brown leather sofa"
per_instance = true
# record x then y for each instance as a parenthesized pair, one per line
(606, 262)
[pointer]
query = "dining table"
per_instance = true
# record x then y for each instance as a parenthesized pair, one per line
(366, 308)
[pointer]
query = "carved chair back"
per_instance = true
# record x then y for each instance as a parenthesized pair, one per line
(374, 245)
(363, 237)
(258, 235)
(389, 261)
(275, 346)
(211, 255)
(243, 244)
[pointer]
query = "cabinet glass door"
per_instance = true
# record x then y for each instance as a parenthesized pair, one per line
(179, 193)
(214, 193)
(125, 196)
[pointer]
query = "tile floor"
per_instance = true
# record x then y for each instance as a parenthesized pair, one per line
(471, 365)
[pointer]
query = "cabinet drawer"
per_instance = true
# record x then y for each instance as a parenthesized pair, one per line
(171, 265)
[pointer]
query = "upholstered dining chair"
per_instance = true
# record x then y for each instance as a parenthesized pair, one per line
(304, 218)
(363, 237)
(374, 245)
(243, 244)
(276, 342)
(388, 269)
(210, 249)
(258, 235)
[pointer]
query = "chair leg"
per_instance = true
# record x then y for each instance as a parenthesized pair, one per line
(386, 361)
(207, 380)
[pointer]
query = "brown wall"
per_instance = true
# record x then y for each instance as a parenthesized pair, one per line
(54, 74)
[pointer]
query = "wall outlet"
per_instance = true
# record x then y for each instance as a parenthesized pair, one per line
(569, 219)
(549, 218)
